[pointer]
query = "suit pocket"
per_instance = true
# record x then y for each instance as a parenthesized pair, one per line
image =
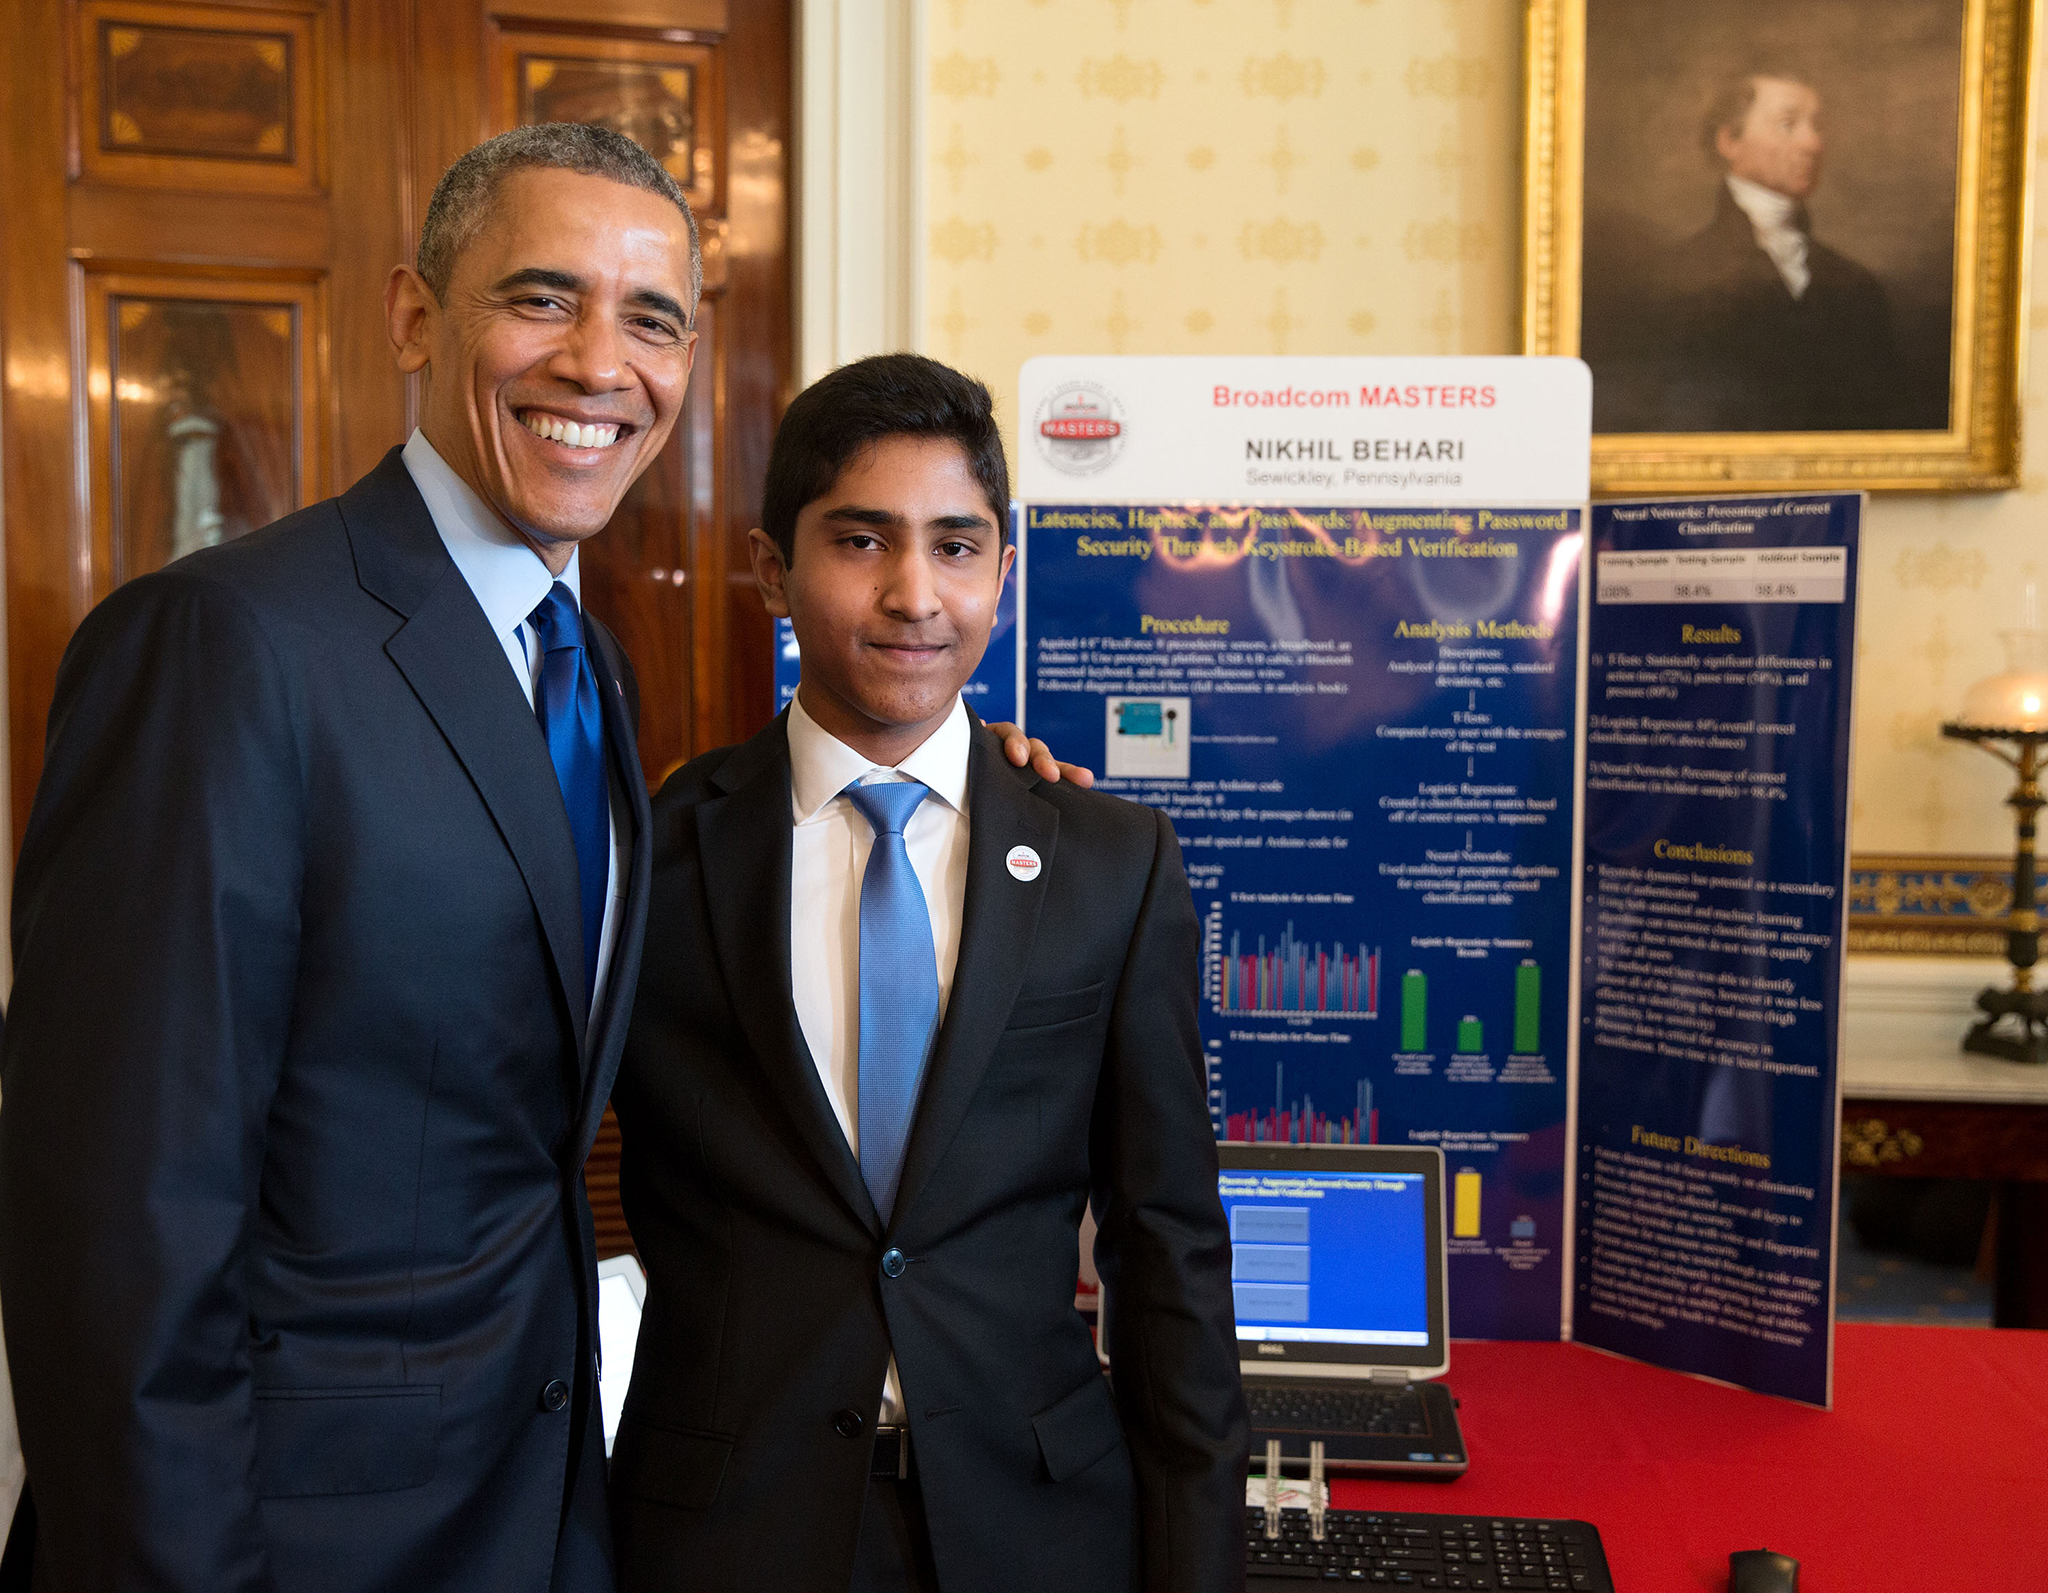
(312, 1441)
(677, 1466)
(1062, 1006)
(1079, 1430)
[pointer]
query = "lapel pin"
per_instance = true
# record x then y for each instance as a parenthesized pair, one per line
(1022, 863)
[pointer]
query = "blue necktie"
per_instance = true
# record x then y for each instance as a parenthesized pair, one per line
(573, 722)
(899, 987)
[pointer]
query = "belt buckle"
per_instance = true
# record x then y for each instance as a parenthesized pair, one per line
(892, 1453)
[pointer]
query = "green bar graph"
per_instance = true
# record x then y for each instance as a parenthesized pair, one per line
(1528, 1007)
(1471, 1035)
(1414, 1011)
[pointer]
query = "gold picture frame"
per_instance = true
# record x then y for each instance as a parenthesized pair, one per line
(1635, 447)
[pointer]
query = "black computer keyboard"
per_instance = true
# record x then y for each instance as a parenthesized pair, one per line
(1319, 1408)
(1384, 1549)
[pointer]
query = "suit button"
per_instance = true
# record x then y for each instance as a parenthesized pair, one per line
(849, 1423)
(554, 1396)
(893, 1262)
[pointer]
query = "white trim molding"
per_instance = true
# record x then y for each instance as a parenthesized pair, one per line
(860, 209)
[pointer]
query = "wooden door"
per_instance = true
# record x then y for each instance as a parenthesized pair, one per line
(201, 202)
(192, 312)
(199, 209)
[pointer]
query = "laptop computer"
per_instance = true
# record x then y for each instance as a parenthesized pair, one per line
(1337, 1265)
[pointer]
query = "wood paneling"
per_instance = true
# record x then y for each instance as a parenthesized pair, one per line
(203, 393)
(49, 572)
(148, 178)
(601, 1180)
(208, 97)
(642, 16)
(757, 382)
(199, 209)
(374, 222)
(668, 97)
(202, 229)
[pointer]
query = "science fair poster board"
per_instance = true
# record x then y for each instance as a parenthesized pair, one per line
(1325, 613)
(1716, 860)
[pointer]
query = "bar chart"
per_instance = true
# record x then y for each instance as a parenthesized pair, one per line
(1290, 977)
(1296, 1121)
(1468, 1035)
(1528, 1008)
(1465, 1188)
(1414, 1010)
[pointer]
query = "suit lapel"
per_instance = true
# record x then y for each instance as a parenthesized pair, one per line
(608, 1024)
(999, 918)
(743, 843)
(457, 668)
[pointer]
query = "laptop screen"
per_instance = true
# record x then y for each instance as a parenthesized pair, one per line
(1336, 1253)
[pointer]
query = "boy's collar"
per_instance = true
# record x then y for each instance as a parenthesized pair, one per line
(821, 765)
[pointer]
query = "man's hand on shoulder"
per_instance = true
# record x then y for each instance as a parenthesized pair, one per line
(1021, 749)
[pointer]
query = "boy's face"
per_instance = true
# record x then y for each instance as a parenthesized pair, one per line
(892, 592)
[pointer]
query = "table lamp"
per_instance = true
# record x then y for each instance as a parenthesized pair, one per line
(2010, 709)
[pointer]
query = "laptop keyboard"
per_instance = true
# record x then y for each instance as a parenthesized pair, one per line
(1321, 1408)
(1383, 1549)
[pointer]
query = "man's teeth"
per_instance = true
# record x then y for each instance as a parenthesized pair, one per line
(555, 429)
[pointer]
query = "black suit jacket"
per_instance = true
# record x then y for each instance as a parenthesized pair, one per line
(1744, 355)
(1069, 1065)
(293, 1239)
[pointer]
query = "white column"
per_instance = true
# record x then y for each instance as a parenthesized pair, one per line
(860, 161)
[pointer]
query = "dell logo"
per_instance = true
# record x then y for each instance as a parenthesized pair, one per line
(1272, 1349)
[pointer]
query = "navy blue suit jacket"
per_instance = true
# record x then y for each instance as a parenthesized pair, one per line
(298, 1268)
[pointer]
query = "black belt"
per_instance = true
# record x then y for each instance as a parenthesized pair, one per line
(892, 1453)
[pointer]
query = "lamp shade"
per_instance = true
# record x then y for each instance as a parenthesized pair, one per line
(2015, 699)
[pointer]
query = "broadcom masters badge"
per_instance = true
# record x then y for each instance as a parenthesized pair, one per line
(1080, 428)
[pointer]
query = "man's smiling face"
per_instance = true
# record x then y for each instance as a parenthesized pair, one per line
(558, 357)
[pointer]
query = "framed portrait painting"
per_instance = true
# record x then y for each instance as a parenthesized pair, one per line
(1787, 236)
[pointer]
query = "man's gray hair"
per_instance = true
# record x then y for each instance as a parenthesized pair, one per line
(462, 198)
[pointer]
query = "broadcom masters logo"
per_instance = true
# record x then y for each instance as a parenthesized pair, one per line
(1080, 428)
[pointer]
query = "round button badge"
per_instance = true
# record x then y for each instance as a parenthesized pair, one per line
(1022, 863)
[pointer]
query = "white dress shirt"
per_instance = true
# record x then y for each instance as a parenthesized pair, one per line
(509, 581)
(1774, 218)
(828, 857)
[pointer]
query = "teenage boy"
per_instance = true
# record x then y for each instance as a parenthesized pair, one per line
(905, 1012)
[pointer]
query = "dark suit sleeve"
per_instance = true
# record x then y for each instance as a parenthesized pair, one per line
(1164, 1254)
(155, 945)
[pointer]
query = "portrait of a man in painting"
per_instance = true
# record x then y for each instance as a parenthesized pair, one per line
(1770, 214)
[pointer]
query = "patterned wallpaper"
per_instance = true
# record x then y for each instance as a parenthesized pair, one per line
(1342, 176)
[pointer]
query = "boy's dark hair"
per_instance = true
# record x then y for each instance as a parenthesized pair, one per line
(840, 416)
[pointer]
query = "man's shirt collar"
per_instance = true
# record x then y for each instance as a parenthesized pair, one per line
(1766, 207)
(500, 566)
(822, 766)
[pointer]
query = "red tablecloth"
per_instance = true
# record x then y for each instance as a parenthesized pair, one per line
(1931, 1472)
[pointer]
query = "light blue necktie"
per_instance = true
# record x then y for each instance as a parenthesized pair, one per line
(899, 987)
